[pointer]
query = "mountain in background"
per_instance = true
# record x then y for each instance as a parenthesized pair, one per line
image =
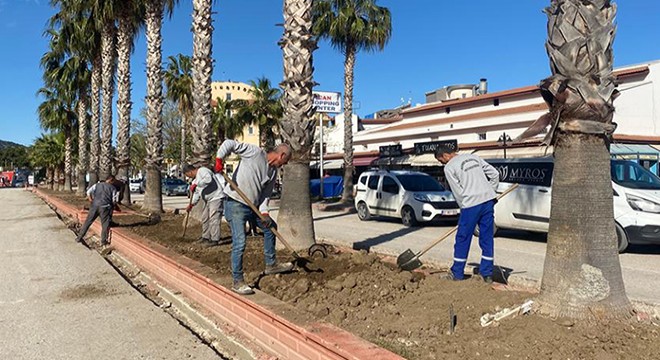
(8, 144)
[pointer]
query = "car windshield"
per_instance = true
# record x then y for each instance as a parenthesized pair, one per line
(418, 182)
(631, 175)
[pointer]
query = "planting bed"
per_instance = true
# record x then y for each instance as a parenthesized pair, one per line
(408, 313)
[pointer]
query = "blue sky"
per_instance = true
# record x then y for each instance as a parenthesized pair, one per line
(434, 43)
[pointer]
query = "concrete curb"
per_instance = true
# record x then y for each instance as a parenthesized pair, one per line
(256, 320)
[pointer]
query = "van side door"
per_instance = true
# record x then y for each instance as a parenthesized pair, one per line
(373, 193)
(388, 201)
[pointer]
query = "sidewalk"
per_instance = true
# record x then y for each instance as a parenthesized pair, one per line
(59, 300)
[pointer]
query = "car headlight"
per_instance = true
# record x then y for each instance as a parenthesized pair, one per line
(422, 198)
(641, 204)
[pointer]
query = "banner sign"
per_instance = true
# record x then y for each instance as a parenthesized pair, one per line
(429, 147)
(390, 151)
(524, 172)
(327, 102)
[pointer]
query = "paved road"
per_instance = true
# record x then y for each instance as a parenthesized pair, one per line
(521, 253)
(59, 300)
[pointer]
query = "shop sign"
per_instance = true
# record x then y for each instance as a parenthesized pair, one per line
(430, 146)
(390, 151)
(327, 102)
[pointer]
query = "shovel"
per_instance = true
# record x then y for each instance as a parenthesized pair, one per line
(185, 225)
(299, 259)
(409, 261)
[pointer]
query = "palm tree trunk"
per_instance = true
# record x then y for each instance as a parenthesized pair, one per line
(349, 66)
(68, 149)
(108, 55)
(124, 104)
(153, 201)
(83, 139)
(202, 71)
(182, 161)
(58, 171)
(95, 146)
(298, 126)
(582, 273)
(50, 177)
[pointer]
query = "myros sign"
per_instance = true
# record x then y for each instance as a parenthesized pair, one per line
(327, 102)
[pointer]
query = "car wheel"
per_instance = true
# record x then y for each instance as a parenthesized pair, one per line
(363, 211)
(408, 217)
(476, 230)
(622, 238)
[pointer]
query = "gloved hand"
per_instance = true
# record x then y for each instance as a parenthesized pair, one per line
(189, 208)
(267, 222)
(192, 188)
(218, 165)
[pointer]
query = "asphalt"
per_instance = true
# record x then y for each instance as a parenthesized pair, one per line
(59, 300)
(520, 254)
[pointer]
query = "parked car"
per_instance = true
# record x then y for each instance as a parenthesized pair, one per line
(636, 199)
(135, 185)
(174, 187)
(410, 195)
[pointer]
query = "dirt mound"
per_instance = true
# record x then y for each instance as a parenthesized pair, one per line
(408, 313)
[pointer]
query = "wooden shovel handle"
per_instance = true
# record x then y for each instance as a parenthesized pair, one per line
(256, 211)
(453, 230)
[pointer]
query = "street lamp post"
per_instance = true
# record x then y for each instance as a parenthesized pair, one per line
(321, 155)
(503, 139)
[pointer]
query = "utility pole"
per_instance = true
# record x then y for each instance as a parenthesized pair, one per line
(321, 155)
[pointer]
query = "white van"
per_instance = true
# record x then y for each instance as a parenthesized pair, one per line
(410, 195)
(636, 199)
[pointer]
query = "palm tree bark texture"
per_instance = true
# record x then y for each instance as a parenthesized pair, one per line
(83, 139)
(124, 104)
(153, 201)
(108, 60)
(202, 71)
(95, 145)
(582, 273)
(297, 126)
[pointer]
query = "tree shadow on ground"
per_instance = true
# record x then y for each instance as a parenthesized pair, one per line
(332, 216)
(366, 244)
(501, 273)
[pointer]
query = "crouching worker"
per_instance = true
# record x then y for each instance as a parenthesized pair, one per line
(103, 197)
(473, 183)
(255, 176)
(208, 187)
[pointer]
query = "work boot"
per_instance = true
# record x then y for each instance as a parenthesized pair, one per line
(450, 276)
(210, 243)
(105, 249)
(241, 288)
(488, 279)
(278, 268)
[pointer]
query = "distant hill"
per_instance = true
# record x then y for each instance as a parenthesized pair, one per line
(7, 144)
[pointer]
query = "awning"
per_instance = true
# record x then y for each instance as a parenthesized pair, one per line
(397, 160)
(364, 161)
(514, 152)
(328, 164)
(634, 152)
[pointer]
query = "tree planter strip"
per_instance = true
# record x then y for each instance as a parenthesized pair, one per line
(257, 321)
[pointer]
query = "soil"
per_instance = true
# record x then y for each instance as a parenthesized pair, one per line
(408, 313)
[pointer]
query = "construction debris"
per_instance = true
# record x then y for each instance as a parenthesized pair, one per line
(488, 319)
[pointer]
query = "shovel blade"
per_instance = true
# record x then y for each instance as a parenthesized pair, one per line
(408, 261)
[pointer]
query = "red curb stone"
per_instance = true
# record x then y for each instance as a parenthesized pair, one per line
(255, 321)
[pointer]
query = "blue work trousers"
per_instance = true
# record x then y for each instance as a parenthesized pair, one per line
(483, 215)
(237, 214)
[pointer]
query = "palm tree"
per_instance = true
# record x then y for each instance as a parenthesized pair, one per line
(202, 29)
(225, 123)
(178, 84)
(73, 29)
(297, 125)
(263, 110)
(153, 200)
(351, 26)
(106, 22)
(130, 19)
(582, 274)
(48, 152)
